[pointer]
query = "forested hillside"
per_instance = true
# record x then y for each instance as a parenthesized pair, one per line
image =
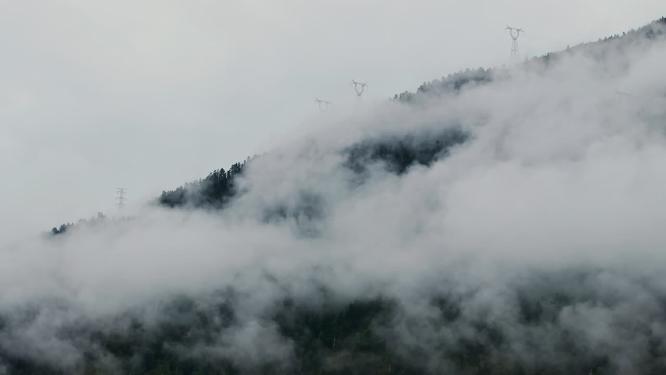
(496, 221)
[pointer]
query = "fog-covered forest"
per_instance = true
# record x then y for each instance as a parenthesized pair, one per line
(495, 221)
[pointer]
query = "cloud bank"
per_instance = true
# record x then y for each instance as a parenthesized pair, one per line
(528, 240)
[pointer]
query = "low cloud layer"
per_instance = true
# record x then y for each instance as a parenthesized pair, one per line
(532, 241)
(100, 95)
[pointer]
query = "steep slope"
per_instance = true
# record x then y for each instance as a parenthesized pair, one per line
(503, 225)
(598, 51)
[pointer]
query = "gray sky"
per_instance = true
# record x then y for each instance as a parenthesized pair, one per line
(151, 94)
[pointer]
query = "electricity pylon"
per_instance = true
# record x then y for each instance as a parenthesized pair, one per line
(514, 33)
(120, 197)
(359, 87)
(322, 104)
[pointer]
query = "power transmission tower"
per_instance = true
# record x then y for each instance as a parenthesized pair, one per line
(514, 33)
(322, 104)
(120, 197)
(359, 87)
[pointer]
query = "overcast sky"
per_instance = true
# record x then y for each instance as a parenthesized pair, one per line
(150, 94)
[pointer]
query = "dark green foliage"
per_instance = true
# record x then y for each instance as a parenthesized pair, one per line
(306, 211)
(397, 153)
(400, 153)
(374, 335)
(64, 228)
(450, 84)
(23, 366)
(340, 339)
(214, 191)
(154, 348)
(61, 229)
